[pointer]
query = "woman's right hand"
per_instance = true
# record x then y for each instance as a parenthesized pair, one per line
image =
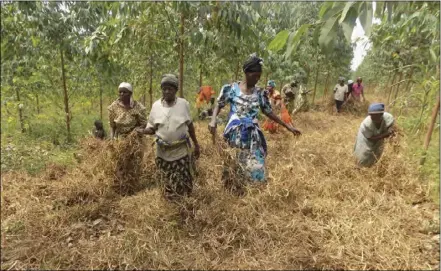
(140, 130)
(212, 128)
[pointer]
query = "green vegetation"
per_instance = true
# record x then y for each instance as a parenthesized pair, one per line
(61, 63)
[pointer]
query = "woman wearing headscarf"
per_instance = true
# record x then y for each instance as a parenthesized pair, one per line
(125, 114)
(371, 134)
(276, 105)
(242, 131)
(170, 121)
(358, 90)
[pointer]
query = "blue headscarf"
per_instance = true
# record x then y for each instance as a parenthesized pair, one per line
(376, 108)
(271, 83)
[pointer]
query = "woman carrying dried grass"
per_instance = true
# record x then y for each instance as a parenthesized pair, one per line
(276, 104)
(125, 114)
(370, 139)
(242, 131)
(170, 121)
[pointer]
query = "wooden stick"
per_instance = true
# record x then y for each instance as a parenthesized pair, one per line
(429, 132)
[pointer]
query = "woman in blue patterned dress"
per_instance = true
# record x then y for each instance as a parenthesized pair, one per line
(242, 131)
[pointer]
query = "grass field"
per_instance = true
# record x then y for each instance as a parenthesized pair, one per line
(318, 211)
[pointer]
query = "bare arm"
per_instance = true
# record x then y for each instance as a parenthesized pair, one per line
(149, 131)
(112, 124)
(390, 132)
(192, 132)
(212, 125)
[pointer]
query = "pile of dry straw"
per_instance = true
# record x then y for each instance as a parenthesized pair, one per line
(318, 211)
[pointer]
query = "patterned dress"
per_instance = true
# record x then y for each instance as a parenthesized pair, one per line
(126, 119)
(242, 131)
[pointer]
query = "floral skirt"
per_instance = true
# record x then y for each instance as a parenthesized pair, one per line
(176, 176)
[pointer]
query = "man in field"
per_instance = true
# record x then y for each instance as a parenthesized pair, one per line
(371, 134)
(340, 91)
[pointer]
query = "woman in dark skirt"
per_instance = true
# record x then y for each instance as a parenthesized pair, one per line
(170, 121)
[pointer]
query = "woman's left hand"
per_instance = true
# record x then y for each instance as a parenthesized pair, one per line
(197, 151)
(294, 131)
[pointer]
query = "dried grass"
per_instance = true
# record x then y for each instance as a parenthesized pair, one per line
(318, 211)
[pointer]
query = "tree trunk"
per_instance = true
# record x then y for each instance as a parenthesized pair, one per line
(266, 78)
(101, 103)
(391, 88)
(181, 57)
(237, 71)
(398, 88)
(430, 131)
(20, 110)
(151, 84)
(38, 103)
(409, 77)
(200, 74)
(144, 95)
(66, 97)
(316, 80)
(325, 91)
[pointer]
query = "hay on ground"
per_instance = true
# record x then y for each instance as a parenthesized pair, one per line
(318, 211)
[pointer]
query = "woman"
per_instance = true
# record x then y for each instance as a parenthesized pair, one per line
(125, 114)
(242, 131)
(371, 134)
(276, 104)
(170, 121)
(358, 90)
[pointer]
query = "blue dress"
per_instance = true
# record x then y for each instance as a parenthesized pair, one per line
(242, 130)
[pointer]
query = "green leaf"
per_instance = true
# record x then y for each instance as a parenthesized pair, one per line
(366, 15)
(328, 31)
(349, 23)
(389, 6)
(324, 8)
(345, 11)
(279, 41)
(433, 55)
(294, 39)
(379, 9)
(413, 16)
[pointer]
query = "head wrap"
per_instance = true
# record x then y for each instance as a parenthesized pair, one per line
(129, 87)
(341, 78)
(271, 83)
(350, 82)
(376, 108)
(253, 64)
(126, 86)
(98, 124)
(170, 79)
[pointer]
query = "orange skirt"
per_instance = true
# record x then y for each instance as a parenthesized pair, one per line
(285, 116)
(270, 126)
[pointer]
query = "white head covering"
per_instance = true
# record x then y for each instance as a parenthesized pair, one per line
(350, 82)
(129, 88)
(126, 86)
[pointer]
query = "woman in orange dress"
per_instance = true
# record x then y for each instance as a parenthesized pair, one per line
(278, 108)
